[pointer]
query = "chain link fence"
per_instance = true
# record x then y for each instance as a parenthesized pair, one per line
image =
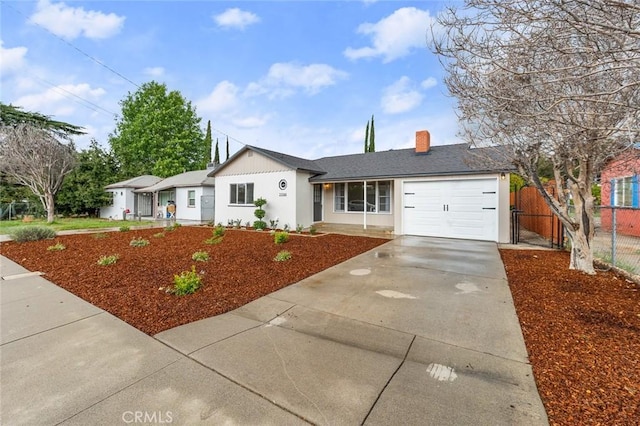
(18, 210)
(617, 238)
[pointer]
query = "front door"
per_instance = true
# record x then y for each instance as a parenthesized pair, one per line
(317, 202)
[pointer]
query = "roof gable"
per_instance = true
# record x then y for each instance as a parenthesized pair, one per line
(187, 179)
(288, 161)
(136, 182)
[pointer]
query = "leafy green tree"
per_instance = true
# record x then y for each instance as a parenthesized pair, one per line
(158, 133)
(83, 189)
(216, 158)
(372, 137)
(227, 148)
(207, 143)
(366, 138)
(12, 116)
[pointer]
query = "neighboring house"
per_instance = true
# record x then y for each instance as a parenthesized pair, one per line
(620, 189)
(124, 198)
(443, 191)
(192, 192)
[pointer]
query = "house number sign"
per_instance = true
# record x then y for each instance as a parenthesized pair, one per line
(282, 184)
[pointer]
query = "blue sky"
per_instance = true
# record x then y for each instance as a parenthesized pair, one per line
(300, 77)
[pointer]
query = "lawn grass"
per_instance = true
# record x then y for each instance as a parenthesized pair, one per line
(64, 224)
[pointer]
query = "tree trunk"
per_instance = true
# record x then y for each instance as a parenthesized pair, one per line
(583, 231)
(50, 206)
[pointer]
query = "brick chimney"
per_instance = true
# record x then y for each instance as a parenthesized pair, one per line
(423, 141)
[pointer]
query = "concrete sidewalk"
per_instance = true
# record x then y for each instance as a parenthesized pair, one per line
(416, 331)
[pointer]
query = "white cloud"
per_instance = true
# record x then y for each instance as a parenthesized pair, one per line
(59, 100)
(394, 36)
(236, 18)
(71, 22)
(224, 97)
(429, 83)
(250, 122)
(283, 79)
(11, 59)
(154, 71)
(400, 97)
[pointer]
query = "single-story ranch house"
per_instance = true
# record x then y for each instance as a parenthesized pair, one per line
(441, 191)
(123, 198)
(621, 190)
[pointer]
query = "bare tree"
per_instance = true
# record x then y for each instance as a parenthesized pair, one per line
(555, 80)
(36, 158)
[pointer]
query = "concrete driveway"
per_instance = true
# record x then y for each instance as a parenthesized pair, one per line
(416, 331)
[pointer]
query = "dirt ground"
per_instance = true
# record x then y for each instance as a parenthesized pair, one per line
(582, 332)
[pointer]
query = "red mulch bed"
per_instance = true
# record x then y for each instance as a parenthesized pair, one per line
(583, 337)
(240, 269)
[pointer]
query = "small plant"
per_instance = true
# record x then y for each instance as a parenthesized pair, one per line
(159, 235)
(172, 227)
(32, 233)
(200, 256)
(187, 282)
(229, 223)
(313, 230)
(281, 237)
(100, 235)
(56, 247)
(299, 228)
(213, 240)
(108, 260)
(124, 228)
(286, 227)
(237, 223)
(273, 223)
(282, 256)
(259, 214)
(139, 242)
(247, 224)
(219, 231)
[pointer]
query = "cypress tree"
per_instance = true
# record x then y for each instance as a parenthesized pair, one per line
(227, 148)
(366, 138)
(372, 137)
(216, 158)
(207, 144)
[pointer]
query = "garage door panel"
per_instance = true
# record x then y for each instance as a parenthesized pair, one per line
(454, 209)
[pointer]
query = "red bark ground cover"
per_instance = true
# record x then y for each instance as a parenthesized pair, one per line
(582, 333)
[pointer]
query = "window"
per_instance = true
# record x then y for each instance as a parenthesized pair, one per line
(191, 197)
(378, 197)
(623, 195)
(241, 193)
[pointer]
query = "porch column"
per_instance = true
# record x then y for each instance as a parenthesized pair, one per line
(365, 204)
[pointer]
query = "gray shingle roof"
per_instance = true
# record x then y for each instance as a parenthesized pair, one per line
(441, 160)
(290, 161)
(136, 182)
(186, 179)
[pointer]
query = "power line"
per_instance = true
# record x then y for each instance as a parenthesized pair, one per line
(75, 47)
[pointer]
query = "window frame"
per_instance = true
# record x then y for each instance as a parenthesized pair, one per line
(247, 190)
(341, 198)
(623, 193)
(191, 201)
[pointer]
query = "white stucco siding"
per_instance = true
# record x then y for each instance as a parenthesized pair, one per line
(304, 201)
(281, 204)
(123, 198)
(183, 211)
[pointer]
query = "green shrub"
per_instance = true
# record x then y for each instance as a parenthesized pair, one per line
(213, 240)
(139, 242)
(259, 213)
(299, 228)
(200, 256)
(32, 233)
(187, 282)
(108, 260)
(172, 227)
(313, 230)
(219, 230)
(259, 225)
(56, 247)
(159, 235)
(282, 256)
(281, 237)
(124, 228)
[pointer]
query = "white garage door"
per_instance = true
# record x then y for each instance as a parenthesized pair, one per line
(453, 209)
